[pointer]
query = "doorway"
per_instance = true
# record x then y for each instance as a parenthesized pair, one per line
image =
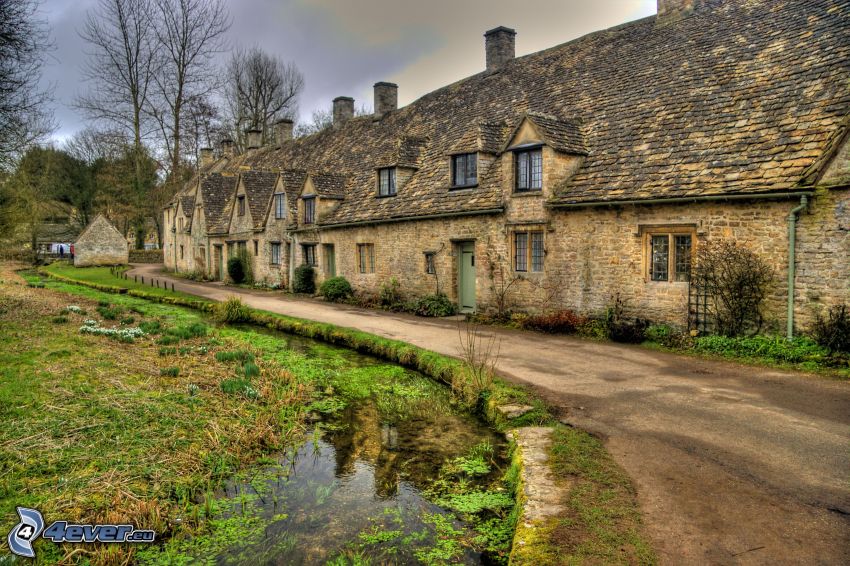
(330, 260)
(218, 260)
(466, 277)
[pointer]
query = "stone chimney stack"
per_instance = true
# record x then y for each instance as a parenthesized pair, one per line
(343, 110)
(253, 138)
(206, 158)
(500, 46)
(227, 147)
(673, 10)
(386, 98)
(284, 130)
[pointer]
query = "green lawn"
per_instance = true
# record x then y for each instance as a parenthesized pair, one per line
(103, 276)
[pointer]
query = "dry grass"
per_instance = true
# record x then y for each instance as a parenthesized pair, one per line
(91, 432)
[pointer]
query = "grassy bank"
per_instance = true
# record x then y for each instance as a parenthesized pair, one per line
(603, 520)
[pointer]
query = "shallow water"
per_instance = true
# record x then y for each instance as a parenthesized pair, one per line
(354, 489)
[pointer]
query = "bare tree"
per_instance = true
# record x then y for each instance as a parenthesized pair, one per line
(259, 90)
(189, 34)
(121, 68)
(24, 118)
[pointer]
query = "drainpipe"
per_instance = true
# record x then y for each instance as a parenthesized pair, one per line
(792, 239)
(293, 246)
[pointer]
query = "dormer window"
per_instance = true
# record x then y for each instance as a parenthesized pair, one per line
(309, 210)
(464, 170)
(529, 170)
(386, 182)
(279, 210)
(240, 205)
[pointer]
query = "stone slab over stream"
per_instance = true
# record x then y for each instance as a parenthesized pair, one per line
(541, 495)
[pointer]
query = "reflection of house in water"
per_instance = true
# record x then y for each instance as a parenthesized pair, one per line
(413, 449)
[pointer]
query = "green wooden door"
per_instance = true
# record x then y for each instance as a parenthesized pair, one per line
(330, 260)
(219, 263)
(466, 277)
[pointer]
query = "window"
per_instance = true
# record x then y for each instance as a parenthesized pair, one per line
(181, 252)
(256, 248)
(275, 253)
(529, 170)
(309, 210)
(669, 256)
(366, 258)
(465, 170)
(241, 205)
(430, 268)
(528, 251)
(309, 254)
(180, 222)
(279, 210)
(386, 182)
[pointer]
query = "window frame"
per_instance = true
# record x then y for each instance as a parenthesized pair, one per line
(672, 233)
(529, 166)
(465, 157)
(430, 263)
(274, 253)
(240, 205)
(528, 260)
(309, 206)
(308, 256)
(392, 182)
(366, 263)
(279, 203)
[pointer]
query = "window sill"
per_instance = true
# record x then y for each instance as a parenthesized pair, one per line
(678, 283)
(532, 193)
(462, 187)
(387, 196)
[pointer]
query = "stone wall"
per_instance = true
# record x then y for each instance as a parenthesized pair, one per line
(145, 256)
(100, 244)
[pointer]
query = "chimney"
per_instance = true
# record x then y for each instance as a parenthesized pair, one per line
(206, 157)
(674, 10)
(253, 138)
(284, 130)
(386, 98)
(226, 147)
(343, 110)
(499, 45)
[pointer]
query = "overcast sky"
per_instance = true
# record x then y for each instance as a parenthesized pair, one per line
(344, 46)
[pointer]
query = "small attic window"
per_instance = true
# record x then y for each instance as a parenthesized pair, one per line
(279, 206)
(386, 182)
(529, 170)
(464, 170)
(309, 210)
(240, 205)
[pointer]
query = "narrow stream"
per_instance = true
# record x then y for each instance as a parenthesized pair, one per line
(356, 491)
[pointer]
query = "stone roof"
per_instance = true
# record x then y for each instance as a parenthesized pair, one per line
(259, 188)
(561, 134)
(741, 97)
(217, 193)
(329, 186)
(187, 203)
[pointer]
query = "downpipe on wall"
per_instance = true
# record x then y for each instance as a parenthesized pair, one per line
(792, 269)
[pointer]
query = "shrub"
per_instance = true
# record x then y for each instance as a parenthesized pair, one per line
(250, 369)
(232, 310)
(60, 319)
(558, 322)
(151, 327)
(304, 280)
(621, 329)
(390, 295)
(170, 372)
(108, 312)
(735, 282)
(128, 320)
(236, 269)
(434, 305)
(336, 289)
(833, 331)
(194, 330)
